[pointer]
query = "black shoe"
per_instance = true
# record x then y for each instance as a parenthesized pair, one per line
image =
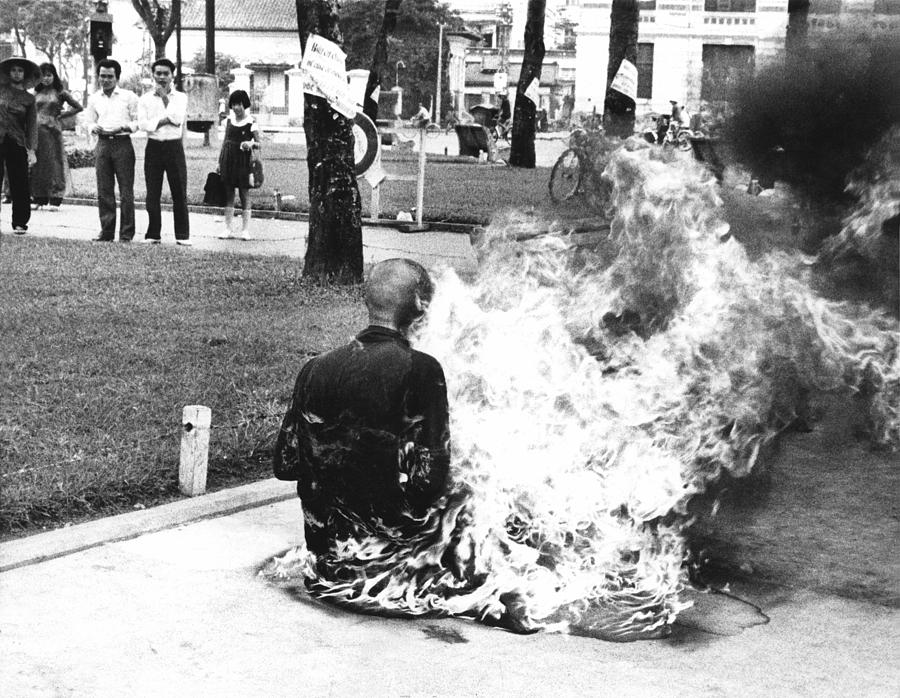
(20, 229)
(102, 238)
(125, 239)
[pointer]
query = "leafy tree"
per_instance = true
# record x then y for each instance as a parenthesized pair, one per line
(56, 28)
(224, 66)
(521, 152)
(334, 251)
(413, 41)
(618, 110)
(160, 19)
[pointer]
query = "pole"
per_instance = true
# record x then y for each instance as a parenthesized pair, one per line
(211, 37)
(179, 78)
(420, 184)
(436, 117)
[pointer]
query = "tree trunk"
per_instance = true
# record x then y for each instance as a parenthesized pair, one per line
(379, 58)
(797, 27)
(521, 153)
(618, 110)
(159, 21)
(334, 250)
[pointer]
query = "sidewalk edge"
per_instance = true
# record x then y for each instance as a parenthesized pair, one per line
(65, 541)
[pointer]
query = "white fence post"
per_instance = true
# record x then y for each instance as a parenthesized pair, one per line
(195, 422)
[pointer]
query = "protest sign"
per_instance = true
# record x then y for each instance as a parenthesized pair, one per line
(324, 74)
(626, 79)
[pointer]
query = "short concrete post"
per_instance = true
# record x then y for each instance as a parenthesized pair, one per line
(195, 422)
(375, 205)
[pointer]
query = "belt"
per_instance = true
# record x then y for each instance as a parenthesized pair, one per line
(112, 138)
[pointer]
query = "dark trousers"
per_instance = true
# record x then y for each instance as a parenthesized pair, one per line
(15, 158)
(114, 162)
(166, 157)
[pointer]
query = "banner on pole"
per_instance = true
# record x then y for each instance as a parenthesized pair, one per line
(626, 79)
(325, 74)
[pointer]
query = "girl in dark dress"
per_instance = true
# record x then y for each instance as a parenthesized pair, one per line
(241, 138)
(48, 178)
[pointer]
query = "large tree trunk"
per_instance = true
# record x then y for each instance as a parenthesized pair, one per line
(521, 153)
(618, 110)
(797, 28)
(334, 250)
(379, 58)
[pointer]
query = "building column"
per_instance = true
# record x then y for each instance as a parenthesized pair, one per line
(294, 76)
(241, 80)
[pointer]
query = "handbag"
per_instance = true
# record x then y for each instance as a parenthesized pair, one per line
(256, 172)
(214, 190)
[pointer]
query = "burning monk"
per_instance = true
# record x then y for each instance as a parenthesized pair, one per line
(367, 440)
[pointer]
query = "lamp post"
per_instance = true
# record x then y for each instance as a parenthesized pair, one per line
(436, 117)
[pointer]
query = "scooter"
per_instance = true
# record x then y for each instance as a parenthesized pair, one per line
(667, 133)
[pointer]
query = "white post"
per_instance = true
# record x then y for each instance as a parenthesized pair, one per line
(375, 203)
(420, 184)
(195, 422)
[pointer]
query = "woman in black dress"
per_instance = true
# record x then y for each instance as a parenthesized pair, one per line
(241, 138)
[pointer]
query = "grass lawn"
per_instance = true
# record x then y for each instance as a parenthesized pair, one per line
(104, 345)
(454, 192)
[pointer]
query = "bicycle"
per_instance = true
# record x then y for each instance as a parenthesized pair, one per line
(574, 170)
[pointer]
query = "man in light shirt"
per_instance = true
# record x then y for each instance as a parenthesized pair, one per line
(111, 116)
(161, 113)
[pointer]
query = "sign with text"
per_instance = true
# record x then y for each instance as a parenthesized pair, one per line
(626, 79)
(325, 74)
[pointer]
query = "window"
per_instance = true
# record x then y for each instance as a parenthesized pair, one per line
(724, 69)
(729, 5)
(645, 71)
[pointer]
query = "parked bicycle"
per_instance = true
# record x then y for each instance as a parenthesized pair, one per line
(574, 172)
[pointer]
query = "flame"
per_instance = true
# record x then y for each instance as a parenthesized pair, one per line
(592, 394)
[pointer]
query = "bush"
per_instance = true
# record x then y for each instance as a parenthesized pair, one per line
(80, 157)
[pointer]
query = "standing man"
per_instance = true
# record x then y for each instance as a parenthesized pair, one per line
(161, 114)
(18, 134)
(112, 114)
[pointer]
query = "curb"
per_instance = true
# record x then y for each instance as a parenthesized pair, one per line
(436, 226)
(65, 541)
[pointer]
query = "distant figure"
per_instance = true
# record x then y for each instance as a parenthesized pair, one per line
(18, 134)
(112, 116)
(48, 185)
(241, 138)
(161, 113)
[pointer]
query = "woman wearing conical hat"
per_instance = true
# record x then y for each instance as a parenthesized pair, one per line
(18, 133)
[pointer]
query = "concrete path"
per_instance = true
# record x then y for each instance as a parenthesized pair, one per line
(270, 236)
(182, 612)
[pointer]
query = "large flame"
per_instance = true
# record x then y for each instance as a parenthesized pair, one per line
(592, 394)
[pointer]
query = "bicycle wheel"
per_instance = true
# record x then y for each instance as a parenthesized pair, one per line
(683, 140)
(565, 177)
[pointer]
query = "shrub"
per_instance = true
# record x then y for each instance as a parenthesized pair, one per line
(80, 157)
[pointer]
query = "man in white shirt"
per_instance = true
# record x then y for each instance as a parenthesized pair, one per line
(111, 116)
(161, 113)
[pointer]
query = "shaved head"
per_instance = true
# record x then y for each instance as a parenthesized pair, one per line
(397, 293)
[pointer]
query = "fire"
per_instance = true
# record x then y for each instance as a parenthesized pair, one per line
(592, 394)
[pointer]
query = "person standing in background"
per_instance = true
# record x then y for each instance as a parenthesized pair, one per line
(112, 117)
(161, 113)
(48, 178)
(241, 137)
(18, 134)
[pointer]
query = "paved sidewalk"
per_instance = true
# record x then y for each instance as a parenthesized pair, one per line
(182, 612)
(270, 236)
